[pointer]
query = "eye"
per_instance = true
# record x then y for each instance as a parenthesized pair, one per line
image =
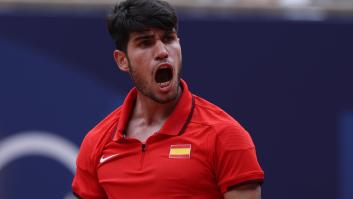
(145, 43)
(169, 38)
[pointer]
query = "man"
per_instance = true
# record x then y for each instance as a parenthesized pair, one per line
(163, 142)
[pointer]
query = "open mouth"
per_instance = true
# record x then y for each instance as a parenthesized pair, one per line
(164, 76)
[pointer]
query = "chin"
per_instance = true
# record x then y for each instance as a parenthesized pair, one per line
(166, 98)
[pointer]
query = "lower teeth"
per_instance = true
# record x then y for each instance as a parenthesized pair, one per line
(164, 84)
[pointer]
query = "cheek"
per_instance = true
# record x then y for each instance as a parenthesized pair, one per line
(137, 58)
(176, 49)
(179, 55)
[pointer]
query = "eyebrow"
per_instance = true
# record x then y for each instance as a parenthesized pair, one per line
(170, 32)
(143, 37)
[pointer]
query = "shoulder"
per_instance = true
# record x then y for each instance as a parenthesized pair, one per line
(97, 138)
(225, 130)
(104, 128)
(210, 114)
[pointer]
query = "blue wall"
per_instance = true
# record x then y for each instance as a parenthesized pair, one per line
(288, 82)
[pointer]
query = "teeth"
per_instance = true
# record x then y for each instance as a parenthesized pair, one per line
(164, 84)
(164, 66)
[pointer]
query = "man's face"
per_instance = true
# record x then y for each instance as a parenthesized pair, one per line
(154, 63)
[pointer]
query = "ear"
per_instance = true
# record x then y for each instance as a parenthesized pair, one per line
(121, 60)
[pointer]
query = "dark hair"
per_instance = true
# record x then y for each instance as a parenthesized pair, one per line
(139, 15)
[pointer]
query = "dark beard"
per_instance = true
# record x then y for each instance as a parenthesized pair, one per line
(142, 86)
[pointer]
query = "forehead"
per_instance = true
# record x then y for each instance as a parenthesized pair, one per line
(149, 32)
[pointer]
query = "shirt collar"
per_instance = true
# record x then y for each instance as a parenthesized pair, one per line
(175, 123)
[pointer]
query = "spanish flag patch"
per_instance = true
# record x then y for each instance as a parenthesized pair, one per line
(180, 151)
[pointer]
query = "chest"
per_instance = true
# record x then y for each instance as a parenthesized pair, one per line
(138, 130)
(175, 167)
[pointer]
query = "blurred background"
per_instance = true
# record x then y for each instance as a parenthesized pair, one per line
(282, 68)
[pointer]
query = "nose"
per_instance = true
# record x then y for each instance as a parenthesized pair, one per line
(161, 51)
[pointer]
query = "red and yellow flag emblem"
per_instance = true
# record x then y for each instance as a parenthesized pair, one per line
(180, 151)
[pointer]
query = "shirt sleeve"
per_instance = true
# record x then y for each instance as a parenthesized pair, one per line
(235, 158)
(85, 183)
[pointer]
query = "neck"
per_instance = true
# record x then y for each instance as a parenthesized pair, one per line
(152, 112)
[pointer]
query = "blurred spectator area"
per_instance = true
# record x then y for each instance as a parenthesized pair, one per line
(342, 7)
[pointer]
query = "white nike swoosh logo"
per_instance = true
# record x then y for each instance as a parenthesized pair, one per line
(103, 159)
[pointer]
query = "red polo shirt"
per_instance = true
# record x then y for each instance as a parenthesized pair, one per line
(200, 152)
